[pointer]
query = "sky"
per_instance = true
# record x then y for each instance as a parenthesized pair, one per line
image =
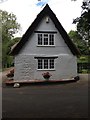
(27, 10)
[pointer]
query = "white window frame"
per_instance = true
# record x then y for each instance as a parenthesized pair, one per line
(43, 37)
(43, 63)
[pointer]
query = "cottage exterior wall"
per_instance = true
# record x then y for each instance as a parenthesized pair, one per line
(26, 64)
(26, 68)
(31, 46)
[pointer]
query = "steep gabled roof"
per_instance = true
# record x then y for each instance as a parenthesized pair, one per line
(30, 30)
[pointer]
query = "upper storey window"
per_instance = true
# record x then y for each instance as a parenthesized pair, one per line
(39, 39)
(46, 38)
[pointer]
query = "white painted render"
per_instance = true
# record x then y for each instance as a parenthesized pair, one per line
(26, 64)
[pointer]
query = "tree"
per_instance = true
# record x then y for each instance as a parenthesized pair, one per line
(77, 40)
(9, 28)
(9, 24)
(83, 22)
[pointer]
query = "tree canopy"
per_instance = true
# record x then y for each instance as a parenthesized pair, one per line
(9, 27)
(83, 22)
(77, 40)
(9, 24)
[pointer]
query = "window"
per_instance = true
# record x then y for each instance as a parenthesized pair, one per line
(51, 63)
(46, 63)
(46, 39)
(39, 39)
(39, 63)
(51, 39)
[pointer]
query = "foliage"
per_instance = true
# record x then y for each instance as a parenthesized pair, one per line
(11, 73)
(9, 24)
(83, 23)
(83, 26)
(9, 28)
(77, 40)
(83, 59)
(83, 64)
(84, 71)
(7, 60)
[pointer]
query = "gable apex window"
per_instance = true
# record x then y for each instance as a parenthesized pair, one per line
(46, 39)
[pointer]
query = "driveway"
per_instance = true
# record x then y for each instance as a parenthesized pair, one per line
(47, 101)
(2, 79)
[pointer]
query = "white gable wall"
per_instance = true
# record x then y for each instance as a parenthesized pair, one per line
(26, 64)
(60, 45)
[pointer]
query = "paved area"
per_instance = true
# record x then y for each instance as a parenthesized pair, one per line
(0, 102)
(0, 79)
(46, 101)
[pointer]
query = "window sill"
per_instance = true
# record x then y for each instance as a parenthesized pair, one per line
(45, 69)
(45, 45)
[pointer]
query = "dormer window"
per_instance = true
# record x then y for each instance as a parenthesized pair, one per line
(45, 38)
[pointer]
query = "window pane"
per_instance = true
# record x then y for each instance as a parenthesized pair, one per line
(39, 39)
(39, 63)
(45, 39)
(45, 63)
(51, 39)
(51, 63)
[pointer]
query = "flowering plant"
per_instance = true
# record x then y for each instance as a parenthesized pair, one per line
(11, 73)
(46, 75)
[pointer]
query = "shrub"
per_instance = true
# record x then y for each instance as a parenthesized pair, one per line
(11, 73)
(84, 71)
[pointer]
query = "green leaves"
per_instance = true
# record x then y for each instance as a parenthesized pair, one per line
(9, 28)
(9, 24)
(83, 27)
(79, 42)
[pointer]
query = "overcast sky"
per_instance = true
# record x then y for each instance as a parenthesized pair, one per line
(27, 10)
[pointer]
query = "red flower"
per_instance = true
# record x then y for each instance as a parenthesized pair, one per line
(46, 75)
(11, 73)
